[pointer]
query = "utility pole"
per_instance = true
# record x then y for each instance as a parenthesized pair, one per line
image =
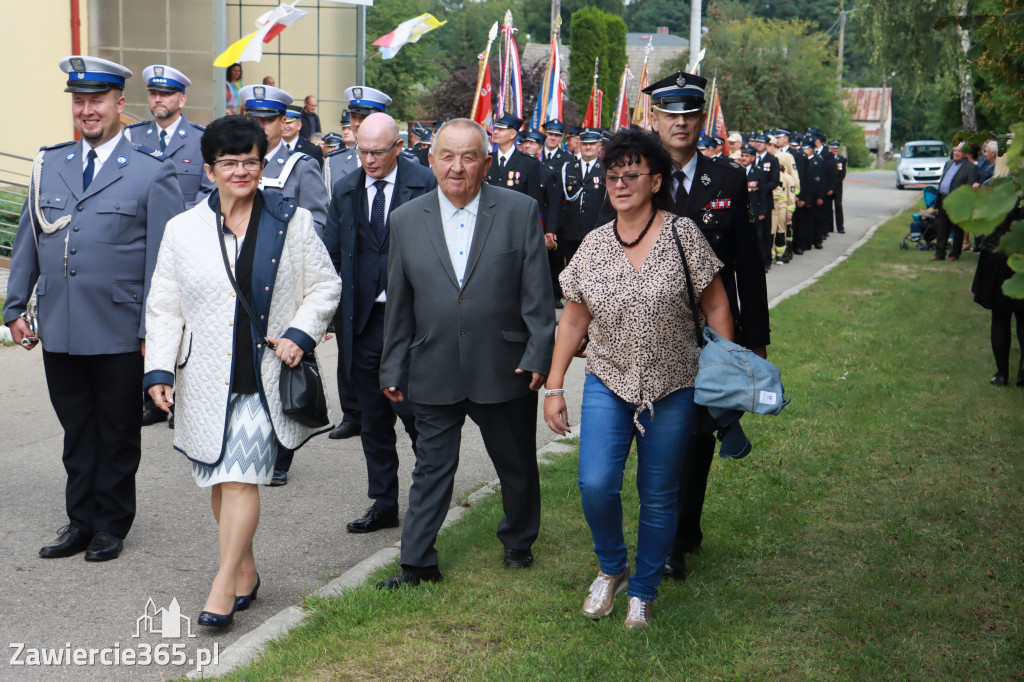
(842, 43)
(695, 33)
(556, 13)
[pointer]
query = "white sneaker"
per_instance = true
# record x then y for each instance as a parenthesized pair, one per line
(639, 613)
(601, 599)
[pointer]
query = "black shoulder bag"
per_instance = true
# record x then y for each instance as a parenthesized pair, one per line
(302, 388)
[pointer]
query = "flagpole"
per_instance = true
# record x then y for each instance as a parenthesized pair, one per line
(593, 95)
(491, 35)
(506, 76)
(640, 116)
(711, 110)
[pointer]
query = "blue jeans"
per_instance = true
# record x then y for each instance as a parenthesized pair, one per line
(606, 432)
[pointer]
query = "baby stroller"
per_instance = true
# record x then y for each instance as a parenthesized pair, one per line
(922, 227)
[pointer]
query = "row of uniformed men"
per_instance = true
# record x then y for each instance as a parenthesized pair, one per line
(796, 187)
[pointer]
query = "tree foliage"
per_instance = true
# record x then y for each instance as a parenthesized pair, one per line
(596, 34)
(535, 15)
(645, 16)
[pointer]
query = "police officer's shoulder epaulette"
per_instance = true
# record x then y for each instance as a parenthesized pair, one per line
(155, 153)
(198, 127)
(726, 162)
(138, 124)
(406, 154)
(56, 146)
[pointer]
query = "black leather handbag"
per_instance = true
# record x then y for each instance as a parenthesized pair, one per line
(302, 388)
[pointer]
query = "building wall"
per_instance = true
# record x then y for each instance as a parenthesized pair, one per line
(38, 36)
(314, 56)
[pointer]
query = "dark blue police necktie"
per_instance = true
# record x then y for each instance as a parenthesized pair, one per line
(90, 168)
(377, 212)
(163, 140)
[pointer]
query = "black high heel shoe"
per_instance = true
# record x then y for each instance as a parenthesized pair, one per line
(217, 620)
(242, 602)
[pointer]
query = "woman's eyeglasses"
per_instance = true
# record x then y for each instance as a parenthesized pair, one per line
(231, 165)
(375, 153)
(629, 179)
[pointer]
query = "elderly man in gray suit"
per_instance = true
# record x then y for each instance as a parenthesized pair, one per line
(469, 306)
(87, 241)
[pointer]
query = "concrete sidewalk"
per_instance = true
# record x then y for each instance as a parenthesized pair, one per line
(171, 555)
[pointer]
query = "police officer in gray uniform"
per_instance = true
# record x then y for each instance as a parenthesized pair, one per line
(293, 174)
(171, 133)
(87, 241)
(362, 101)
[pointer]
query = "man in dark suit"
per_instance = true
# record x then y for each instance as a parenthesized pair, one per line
(958, 171)
(469, 310)
(87, 241)
(828, 159)
(357, 238)
(310, 121)
(838, 177)
(810, 201)
(296, 143)
(760, 199)
(511, 168)
(712, 192)
(584, 193)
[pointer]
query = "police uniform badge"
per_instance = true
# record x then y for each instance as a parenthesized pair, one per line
(122, 161)
(68, 158)
(259, 91)
(280, 161)
(78, 64)
(705, 180)
(158, 71)
(357, 93)
(149, 131)
(680, 81)
(181, 132)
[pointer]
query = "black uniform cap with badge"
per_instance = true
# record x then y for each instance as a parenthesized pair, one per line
(533, 136)
(264, 101)
(92, 74)
(423, 133)
(346, 119)
(680, 93)
(293, 112)
(591, 135)
(333, 140)
(834, 144)
(553, 127)
(510, 121)
(163, 78)
(702, 142)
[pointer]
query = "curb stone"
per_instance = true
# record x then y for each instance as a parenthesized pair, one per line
(248, 647)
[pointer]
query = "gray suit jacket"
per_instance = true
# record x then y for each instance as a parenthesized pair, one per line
(183, 149)
(91, 300)
(466, 343)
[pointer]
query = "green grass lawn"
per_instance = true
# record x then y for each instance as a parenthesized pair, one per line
(873, 534)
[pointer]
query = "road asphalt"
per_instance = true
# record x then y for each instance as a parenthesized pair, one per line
(58, 606)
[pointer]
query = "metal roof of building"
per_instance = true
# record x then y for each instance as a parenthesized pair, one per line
(872, 104)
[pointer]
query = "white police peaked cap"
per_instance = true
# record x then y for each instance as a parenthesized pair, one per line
(680, 93)
(264, 101)
(92, 74)
(165, 78)
(365, 100)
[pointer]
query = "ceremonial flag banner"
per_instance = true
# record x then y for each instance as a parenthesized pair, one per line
(620, 119)
(642, 106)
(549, 103)
(407, 32)
(510, 94)
(483, 105)
(268, 26)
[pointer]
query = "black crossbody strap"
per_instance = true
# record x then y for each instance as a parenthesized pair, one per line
(238, 292)
(689, 287)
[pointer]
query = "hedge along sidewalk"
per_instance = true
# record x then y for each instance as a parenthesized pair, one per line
(874, 531)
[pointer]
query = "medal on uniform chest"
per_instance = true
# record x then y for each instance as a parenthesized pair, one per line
(517, 177)
(706, 216)
(510, 181)
(597, 182)
(705, 180)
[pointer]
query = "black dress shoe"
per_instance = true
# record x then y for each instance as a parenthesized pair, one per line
(70, 541)
(104, 547)
(346, 429)
(518, 558)
(375, 518)
(841, 231)
(1000, 380)
(819, 245)
(675, 567)
(278, 479)
(153, 415)
(798, 251)
(411, 578)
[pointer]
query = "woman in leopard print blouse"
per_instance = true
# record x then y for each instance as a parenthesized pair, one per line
(626, 292)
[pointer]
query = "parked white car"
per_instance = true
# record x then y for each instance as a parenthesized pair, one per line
(921, 163)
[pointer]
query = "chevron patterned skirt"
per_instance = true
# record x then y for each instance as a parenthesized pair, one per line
(250, 449)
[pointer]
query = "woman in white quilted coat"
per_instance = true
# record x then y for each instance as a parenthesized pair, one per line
(201, 347)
